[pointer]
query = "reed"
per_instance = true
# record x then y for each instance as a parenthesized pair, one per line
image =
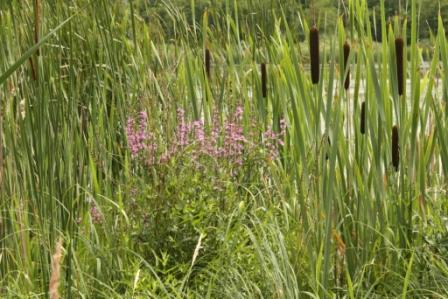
(314, 54)
(399, 46)
(1, 149)
(395, 148)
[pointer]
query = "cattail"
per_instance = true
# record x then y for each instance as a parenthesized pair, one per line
(395, 148)
(207, 59)
(33, 69)
(346, 54)
(264, 78)
(55, 271)
(363, 118)
(314, 54)
(37, 21)
(399, 45)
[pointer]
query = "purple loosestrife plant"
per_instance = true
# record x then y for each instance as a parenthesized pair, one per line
(272, 140)
(137, 133)
(182, 130)
(225, 142)
(140, 140)
(234, 139)
(96, 215)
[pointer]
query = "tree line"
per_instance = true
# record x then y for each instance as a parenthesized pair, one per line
(257, 16)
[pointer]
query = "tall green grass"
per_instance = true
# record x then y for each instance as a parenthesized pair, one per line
(334, 216)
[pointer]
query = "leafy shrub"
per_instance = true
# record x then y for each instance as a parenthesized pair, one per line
(195, 181)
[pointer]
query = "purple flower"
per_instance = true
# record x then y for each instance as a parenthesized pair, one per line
(239, 113)
(140, 140)
(95, 214)
(226, 140)
(272, 140)
(199, 132)
(182, 129)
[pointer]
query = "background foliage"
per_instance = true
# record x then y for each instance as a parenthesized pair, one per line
(254, 14)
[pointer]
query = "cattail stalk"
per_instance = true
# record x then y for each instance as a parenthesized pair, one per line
(395, 148)
(37, 21)
(346, 55)
(33, 69)
(55, 271)
(207, 62)
(363, 118)
(264, 78)
(314, 54)
(399, 46)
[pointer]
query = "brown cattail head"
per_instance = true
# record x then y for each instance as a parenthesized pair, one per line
(264, 78)
(346, 54)
(399, 46)
(395, 148)
(207, 62)
(314, 54)
(363, 118)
